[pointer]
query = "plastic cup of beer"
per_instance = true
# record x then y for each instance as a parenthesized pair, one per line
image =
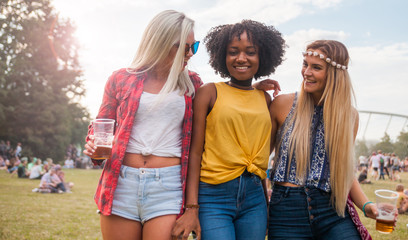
(387, 208)
(103, 133)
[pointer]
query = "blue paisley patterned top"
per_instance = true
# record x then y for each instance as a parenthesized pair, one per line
(319, 173)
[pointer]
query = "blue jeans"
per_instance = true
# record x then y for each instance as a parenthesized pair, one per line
(306, 213)
(233, 210)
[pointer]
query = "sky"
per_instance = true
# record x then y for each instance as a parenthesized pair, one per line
(374, 32)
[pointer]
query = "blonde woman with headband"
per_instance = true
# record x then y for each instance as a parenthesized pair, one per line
(313, 175)
(141, 189)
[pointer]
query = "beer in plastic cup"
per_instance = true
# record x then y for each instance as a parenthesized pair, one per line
(387, 208)
(103, 133)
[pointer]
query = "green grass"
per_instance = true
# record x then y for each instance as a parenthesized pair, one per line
(28, 215)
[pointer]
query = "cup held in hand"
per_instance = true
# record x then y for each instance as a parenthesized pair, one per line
(103, 138)
(387, 208)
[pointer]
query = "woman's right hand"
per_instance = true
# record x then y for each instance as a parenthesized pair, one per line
(186, 224)
(90, 147)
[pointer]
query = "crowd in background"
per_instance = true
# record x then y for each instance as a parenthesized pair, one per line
(9, 156)
(380, 165)
(385, 166)
(50, 174)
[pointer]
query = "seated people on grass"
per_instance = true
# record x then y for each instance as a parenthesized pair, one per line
(22, 171)
(50, 182)
(61, 175)
(362, 178)
(402, 202)
(37, 171)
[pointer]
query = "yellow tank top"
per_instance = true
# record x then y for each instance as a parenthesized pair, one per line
(237, 135)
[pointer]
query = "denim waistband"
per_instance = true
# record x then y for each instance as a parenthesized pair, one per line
(149, 172)
(248, 174)
(298, 190)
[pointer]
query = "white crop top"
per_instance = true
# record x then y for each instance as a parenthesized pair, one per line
(157, 128)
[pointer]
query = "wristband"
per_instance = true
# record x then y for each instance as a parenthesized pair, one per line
(365, 215)
(186, 206)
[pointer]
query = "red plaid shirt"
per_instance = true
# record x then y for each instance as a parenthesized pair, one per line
(120, 102)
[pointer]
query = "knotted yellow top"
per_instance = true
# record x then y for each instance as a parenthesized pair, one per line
(237, 135)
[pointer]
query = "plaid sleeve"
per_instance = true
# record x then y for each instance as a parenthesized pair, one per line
(108, 106)
(109, 103)
(195, 78)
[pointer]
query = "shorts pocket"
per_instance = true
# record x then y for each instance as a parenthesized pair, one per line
(171, 183)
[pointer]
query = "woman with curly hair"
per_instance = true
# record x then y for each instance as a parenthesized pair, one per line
(231, 136)
(313, 175)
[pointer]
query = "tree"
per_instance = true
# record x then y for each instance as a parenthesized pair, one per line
(401, 145)
(385, 145)
(361, 149)
(41, 81)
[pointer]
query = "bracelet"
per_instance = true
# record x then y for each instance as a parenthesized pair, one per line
(196, 206)
(365, 215)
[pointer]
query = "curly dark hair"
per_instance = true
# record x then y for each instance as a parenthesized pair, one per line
(269, 41)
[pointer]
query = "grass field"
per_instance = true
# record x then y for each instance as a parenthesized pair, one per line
(28, 215)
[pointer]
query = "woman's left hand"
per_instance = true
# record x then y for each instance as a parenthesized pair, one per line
(371, 210)
(267, 85)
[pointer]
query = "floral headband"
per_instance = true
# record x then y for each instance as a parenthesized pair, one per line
(328, 60)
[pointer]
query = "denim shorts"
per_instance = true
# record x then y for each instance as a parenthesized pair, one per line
(146, 193)
(234, 210)
(306, 213)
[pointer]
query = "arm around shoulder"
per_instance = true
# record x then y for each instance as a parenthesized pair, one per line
(279, 109)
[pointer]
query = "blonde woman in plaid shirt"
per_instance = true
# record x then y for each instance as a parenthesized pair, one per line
(141, 189)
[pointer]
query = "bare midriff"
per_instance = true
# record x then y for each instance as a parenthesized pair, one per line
(286, 184)
(135, 160)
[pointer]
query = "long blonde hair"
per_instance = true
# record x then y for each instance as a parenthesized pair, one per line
(339, 120)
(164, 31)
